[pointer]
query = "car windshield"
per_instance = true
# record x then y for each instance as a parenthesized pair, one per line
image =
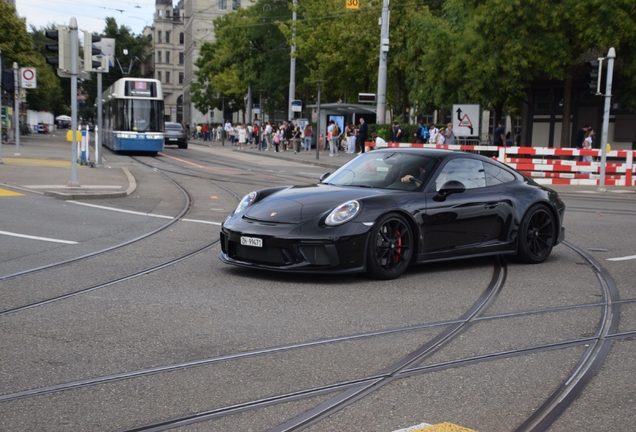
(385, 170)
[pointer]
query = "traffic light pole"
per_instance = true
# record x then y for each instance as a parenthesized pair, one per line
(74, 54)
(16, 109)
(611, 55)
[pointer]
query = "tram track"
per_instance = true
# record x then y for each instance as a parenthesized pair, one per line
(184, 211)
(349, 392)
(410, 365)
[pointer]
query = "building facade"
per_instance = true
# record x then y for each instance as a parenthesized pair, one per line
(168, 44)
(198, 28)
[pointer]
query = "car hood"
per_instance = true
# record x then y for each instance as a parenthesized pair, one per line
(301, 203)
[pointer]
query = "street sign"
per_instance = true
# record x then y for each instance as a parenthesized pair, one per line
(466, 120)
(352, 4)
(297, 106)
(29, 78)
(256, 108)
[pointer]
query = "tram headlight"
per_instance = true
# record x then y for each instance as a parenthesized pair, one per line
(125, 135)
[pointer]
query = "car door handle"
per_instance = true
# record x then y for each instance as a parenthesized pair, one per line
(491, 206)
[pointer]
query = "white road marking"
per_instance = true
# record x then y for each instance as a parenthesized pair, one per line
(140, 213)
(625, 258)
(37, 238)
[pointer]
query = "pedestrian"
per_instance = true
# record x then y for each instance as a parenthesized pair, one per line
(398, 132)
(439, 137)
(228, 129)
(296, 139)
(205, 131)
(242, 136)
(587, 145)
(277, 138)
(580, 136)
(378, 141)
(332, 134)
(219, 132)
(250, 135)
(307, 133)
(199, 129)
(187, 129)
(500, 134)
(288, 136)
(421, 133)
(508, 139)
(321, 142)
(351, 138)
(363, 134)
(432, 133)
(257, 136)
(449, 135)
(267, 137)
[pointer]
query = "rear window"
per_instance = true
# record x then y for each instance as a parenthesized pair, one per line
(174, 126)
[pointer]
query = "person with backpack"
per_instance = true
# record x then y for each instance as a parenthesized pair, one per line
(421, 134)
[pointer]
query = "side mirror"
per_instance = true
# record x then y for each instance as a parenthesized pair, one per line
(324, 176)
(448, 188)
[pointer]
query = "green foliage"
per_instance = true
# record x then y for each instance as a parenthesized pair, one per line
(17, 46)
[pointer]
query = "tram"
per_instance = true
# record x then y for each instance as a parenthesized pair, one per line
(133, 115)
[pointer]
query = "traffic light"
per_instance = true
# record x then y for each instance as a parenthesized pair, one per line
(62, 47)
(89, 51)
(594, 75)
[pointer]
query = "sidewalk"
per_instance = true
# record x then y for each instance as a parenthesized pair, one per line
(43, 166)
(324, 160)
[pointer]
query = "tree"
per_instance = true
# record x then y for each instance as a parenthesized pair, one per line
(17, 46)
(490, 52)
(249, 50)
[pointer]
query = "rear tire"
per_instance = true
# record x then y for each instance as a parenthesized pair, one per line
(390, 248)
(537, 235)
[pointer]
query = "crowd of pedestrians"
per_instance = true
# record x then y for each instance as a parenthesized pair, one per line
(347, 137)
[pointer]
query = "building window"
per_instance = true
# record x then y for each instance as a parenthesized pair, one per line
(167, 56)
(159, 12)
(236, 4)
(158, 36)
(542, 101)
(159, 75)
(167, 77)
(167, 37)
(180, 77)
(181, 56)
(223, 4)
(181, 38)
(158, 56)
(167, 15)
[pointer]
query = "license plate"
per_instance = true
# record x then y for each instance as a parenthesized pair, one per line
(172, 139)
(252, 241)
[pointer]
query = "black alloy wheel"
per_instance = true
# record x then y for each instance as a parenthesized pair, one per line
(537, 235)
(390, 247)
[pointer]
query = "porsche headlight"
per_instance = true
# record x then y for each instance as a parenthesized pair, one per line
(343, 213)
(245, 202)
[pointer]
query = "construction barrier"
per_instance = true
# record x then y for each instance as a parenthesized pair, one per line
(547, 165)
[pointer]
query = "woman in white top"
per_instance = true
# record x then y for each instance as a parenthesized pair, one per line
(242, 136)
(440, 138)
(587, 144)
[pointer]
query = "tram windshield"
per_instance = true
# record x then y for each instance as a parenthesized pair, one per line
(139, 115)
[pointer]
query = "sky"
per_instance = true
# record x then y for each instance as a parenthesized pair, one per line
(90, 14)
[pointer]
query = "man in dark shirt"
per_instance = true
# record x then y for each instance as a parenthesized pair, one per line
(363, 134)
(500, 134)
(287, 135)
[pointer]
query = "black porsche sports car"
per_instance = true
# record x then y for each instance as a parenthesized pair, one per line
(390, 208)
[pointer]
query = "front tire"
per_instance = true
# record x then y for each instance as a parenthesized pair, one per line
(390, 248)
(537, 235)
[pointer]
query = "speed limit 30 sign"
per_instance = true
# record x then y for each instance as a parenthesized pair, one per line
(29, 79)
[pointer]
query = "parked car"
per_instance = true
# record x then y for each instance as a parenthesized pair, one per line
(176, 134)
(388, 209)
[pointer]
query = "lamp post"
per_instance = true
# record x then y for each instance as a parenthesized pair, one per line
(318, 121)
(292, 65)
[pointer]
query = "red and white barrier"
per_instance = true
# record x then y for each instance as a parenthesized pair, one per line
(556, 170)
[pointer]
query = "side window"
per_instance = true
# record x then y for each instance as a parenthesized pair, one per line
(496, 175)
(469, 172)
